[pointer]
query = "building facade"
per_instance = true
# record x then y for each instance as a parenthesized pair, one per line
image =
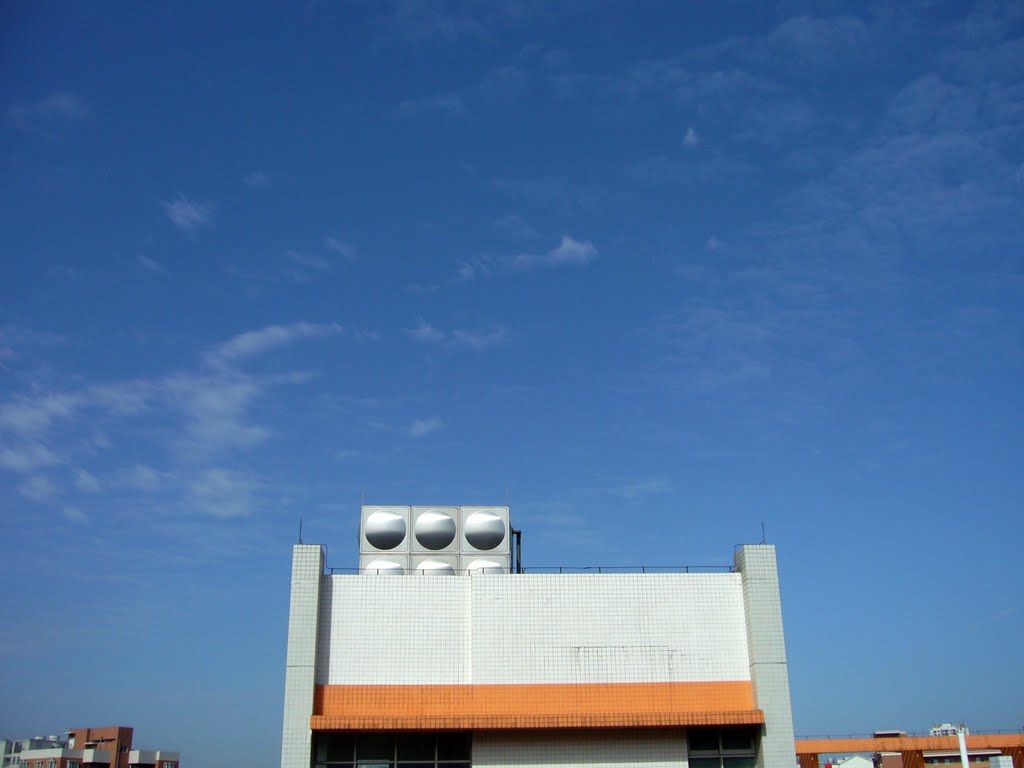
(488, 668)
(87, 748)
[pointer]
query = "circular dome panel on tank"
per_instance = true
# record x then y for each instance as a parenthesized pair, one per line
(384, 568)
(435, 568)
(484, 530)
(434, 530)
(384, 529)
(484, 566)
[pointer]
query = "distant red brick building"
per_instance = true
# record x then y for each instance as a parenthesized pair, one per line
(93, 748)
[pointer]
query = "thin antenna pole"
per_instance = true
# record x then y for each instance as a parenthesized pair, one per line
(764, 539)
(300, 529)
(507, 497)
(362, 498)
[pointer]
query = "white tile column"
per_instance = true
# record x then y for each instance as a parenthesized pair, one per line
(766, 645)
(300, 674)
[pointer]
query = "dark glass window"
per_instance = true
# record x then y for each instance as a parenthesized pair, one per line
(722, 747)
(375, 746)
(737, 740)
(703, 739)
(391, 750)
(453, 746)
(417, 746)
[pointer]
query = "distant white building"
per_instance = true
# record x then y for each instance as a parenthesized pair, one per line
(946, 729)
(853, 761)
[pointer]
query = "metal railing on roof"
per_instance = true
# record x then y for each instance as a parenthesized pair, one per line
(572, 569)
(908, 734)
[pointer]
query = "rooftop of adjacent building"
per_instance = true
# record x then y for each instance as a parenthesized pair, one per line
(84, 746)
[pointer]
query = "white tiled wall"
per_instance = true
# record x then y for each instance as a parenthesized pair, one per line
(769, 669)
(549, 628)
(607, 749)
(307, 567)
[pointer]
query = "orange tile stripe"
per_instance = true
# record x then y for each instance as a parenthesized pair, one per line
(584, 705)
(908, 743)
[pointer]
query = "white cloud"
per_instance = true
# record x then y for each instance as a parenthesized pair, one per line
(691, 139)
(15, 340)
(423, 427)
(449, 104)
(27, 457)
(343, 248)
(86, 481)
(187, 214)
(141, 478)
(215, 409)
(34, 415)
(568, 252)
(151, 264)
(223, 493)
(55, 111)
(312, 261)
(571, 251)
(426, 333)
(479, 340)
(515, 226)
(75, 515)
(470, 270)
(256, 180)
(38, 488)
(643, 488)
(253, 343)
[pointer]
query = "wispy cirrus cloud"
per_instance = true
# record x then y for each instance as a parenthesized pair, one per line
(446, 104)
(310, 261)
(347, 250)
(216, 412)
(25, 457)
(150, 264)
(75, 515)
(257, 342)
(51, 114)
(257, 180)
(204, 414)
(86, 481)
(420, 21)
(142, 478)
(188, 215)
(26, 415)
(424, 427)
(479, 339)
(224, 493)
(425, 333)
(38, 488)
(16, 341)
(569, 252)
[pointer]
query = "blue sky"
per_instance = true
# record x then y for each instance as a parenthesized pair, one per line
(662, 272)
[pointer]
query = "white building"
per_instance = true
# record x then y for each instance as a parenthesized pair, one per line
(488, 668)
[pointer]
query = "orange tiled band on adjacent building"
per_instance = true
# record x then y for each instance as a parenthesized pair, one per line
(1003, 741)
(570, 705)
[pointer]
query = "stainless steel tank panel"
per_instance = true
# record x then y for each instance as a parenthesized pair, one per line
(484, 530)
(434, 568)
(383, 567)
(434, 530)
(481, 565)
(384, 529)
